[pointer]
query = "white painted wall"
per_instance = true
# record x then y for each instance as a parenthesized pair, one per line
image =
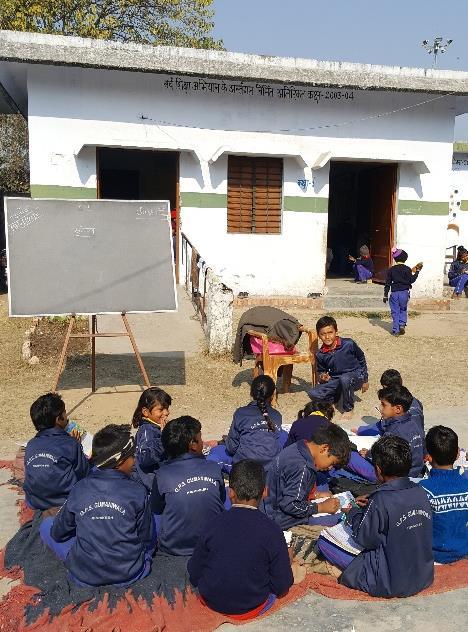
(73, 110)
(459, 192)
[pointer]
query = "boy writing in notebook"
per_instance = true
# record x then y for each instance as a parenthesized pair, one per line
(447, 491)
(393, 527)
(341, 367)
(241, 562)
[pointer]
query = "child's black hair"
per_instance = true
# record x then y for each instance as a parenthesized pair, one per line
(317, 405)
(396, 396)
(45, 410)
(393, 456)
(402, 257)
(178, 434)
(461, 252)
(391, 377)
(442, 445)
(112, 445)
(326, 321)
(336, 439)
(148, 399)
(247, 479)
(261, 390)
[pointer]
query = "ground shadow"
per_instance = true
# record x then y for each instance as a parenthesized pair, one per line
(383, 324)
(122, 369)
(369, 420)
(298, 385)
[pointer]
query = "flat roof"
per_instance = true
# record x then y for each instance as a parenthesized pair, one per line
(37, 48)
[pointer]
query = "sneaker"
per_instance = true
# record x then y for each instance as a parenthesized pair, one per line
(402, 331)
(395, 333)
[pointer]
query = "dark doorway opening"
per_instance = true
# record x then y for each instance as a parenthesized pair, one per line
(361, 211)
(140, 174)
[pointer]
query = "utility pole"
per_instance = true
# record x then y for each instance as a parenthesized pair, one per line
(438, 46)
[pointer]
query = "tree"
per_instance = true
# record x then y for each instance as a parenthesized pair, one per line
(167, 22)
(14, 167)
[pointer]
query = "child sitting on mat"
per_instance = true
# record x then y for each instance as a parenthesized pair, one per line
(447, 491)
(54, 461)
(150, 417)
(389, 378)
(188, 491)
(363, 266)
(292, 478)
(393, 527)
(104, 533)
(316, 414)
(255, 430)
(241, 562)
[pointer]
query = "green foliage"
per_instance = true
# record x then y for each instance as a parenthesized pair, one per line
(14, 166)
(167, 22)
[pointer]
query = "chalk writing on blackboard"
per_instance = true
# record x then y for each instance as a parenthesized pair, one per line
(83, 231)
(145, 213)
(22, 218)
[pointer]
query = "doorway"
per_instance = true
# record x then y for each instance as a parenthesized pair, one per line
(361, 211)
(141, 174)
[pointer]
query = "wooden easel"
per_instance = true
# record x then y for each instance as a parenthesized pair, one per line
(93, 335)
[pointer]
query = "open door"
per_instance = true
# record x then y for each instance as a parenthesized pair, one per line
(382, 182)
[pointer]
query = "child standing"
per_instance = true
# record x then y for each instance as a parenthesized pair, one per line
(394, 528)
(188, 491)
(150, 417)
(316, 414)
(104, 532)
(447, 492)
(54, 461)
(241, 562)
(363, 266)
(292, 477)
(458, 273)
(400, 278)
(255, 429)
(341, 367)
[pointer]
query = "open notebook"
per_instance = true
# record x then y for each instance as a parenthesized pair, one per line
(345, 498)
(341, 536)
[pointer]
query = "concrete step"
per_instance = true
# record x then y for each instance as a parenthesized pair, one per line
(353, 302)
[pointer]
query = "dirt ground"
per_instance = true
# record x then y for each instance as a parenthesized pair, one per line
(431, 357)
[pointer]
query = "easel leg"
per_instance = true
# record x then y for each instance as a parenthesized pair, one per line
(136, 351)
(63, 354)
(93, 353)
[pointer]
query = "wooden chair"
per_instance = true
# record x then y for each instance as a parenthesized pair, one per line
(271, 363)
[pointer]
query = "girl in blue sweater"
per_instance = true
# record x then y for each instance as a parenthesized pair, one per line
(255, 429)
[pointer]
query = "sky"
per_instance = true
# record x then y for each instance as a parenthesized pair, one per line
(386, 32)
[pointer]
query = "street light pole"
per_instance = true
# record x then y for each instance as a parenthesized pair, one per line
(438, 46)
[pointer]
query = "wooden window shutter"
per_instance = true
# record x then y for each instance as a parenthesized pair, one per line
(254, 195)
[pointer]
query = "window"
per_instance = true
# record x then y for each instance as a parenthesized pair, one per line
(254, 195)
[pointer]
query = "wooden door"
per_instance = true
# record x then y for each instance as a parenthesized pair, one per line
(382, 182)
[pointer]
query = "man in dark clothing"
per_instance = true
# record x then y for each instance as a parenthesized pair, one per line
(341, 366)
(188, 491)
(241, 562)
(399, 281)
(393, 527)
(54, 461)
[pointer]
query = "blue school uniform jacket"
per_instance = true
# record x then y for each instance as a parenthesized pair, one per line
(249, 437)
(345, 358)
(417, 415)
(110, 515)
(395, 531)
(189, 492)
(406, 427)
(447, 492)
(240, 559)
(53, 463)
(290, 479)
(149, 453)
(304, 428)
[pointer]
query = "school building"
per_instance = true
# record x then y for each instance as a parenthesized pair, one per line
(269, 163)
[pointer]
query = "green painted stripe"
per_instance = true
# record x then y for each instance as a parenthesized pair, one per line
(460, 147)
(302, 204)
(464, 205)
(67, 193)
(204, 200)
(419, 207)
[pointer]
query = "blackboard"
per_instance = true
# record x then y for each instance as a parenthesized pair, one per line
(89, 256)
